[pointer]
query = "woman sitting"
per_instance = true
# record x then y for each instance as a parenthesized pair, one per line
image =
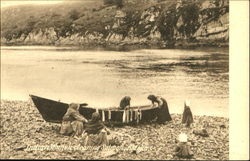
(183, 150)
(96, 132)
(162, 112)
(187, 117)
(72, 123)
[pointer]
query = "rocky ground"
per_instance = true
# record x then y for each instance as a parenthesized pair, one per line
(24, 134)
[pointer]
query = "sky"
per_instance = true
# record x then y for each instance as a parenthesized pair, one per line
(6, 3)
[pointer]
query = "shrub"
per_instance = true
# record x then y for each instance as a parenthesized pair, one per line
(190, 16)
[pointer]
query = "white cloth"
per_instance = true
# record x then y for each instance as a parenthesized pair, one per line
(140, 114)
(182, 137)
(124, 116)
(136, 115)
(187, 103)
(103, 116)
(109, 116)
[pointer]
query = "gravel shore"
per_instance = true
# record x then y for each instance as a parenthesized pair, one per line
(25, 135)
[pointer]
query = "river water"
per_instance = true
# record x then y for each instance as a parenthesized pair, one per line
(101, 78)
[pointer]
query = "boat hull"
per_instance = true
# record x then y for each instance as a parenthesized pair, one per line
(53, 111)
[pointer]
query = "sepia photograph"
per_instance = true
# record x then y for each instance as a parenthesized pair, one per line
(123, 79)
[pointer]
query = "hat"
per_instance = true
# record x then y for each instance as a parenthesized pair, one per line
(182, 137)
(127, 97)
(95, 116)
(73, 106)
(152, 97)
(187, 103)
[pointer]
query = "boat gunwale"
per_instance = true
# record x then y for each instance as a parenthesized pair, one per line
(116, 109)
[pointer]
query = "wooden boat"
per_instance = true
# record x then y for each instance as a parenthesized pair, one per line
(53, 111)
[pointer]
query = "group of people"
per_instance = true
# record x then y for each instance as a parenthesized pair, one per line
(182, 149)
(74, 124)
(163, 114)
(162, 110)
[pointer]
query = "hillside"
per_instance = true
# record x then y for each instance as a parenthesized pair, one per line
(160, 23)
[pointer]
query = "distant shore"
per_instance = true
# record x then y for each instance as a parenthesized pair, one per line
(132, 46)
(22, 128)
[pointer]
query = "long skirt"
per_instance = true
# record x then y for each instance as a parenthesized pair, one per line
(163, 114)
(187, 117)
(74, 128)
(183, 151)
(100, 139)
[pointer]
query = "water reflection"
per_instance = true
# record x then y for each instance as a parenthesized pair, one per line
(213, 64)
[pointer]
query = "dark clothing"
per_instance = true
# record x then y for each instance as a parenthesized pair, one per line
(94, 127)
(163, 112)
(125, 102)
(202, 132)
(183, 151)
(187, 117)
(96, 132)
(97, 139)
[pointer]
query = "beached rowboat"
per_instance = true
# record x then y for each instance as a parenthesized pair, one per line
(53, 111)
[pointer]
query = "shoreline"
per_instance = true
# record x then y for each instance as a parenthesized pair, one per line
(129, 47)
(23, 131)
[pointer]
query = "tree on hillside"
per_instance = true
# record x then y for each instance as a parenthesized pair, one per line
(166, 23)
(26, 28)
(62, 27)
(190, 16)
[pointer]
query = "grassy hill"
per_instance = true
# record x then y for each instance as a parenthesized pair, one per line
(142, 20)
(17, 20)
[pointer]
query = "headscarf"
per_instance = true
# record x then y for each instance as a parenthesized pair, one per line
(73, 107)
(95, 125)
(187, 103)
(182, 137)
(187, 107)
(152, 98)
(125, 102)
(95, 117)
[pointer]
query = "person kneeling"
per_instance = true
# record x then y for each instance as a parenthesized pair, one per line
(72, 123)
(96, 132)
(182, 150)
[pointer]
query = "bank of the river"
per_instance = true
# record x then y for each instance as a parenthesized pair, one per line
(163, 24)
(132, 46)
(23, 130)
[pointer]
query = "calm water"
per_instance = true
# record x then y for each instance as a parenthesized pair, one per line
(102, 78)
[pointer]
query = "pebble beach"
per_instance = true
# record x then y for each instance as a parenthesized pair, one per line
(25, 135)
